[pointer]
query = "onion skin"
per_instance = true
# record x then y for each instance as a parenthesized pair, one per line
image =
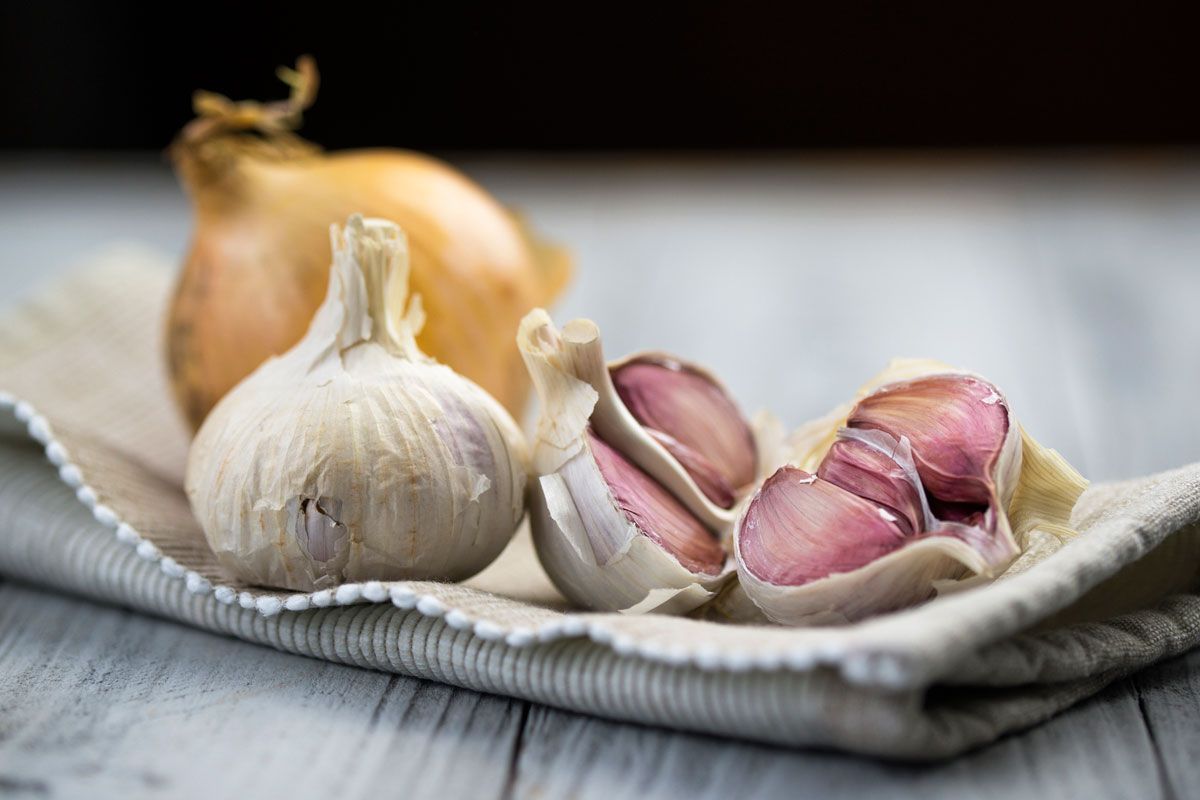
(259, 260)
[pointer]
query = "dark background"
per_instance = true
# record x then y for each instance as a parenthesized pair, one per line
(439, 75)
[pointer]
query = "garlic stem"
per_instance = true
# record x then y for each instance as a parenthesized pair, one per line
(370, 269)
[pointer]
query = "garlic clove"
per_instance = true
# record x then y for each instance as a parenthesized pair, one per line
(655, 513)
(900, 579)
(957, 425)
(879, 469)
(618, 522)
(799, 528)
(966, 452)
(320, 534)
(812, 552)
(936, 449)
(612, 539)
(708, 478)
(694, 418)
(561, 364)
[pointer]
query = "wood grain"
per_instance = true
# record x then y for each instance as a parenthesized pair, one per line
(101, 702)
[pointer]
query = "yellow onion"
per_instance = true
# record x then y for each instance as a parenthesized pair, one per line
(259, 261)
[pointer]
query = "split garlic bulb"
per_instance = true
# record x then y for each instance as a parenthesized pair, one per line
(925, 478)
(353, 455)
(639, 467)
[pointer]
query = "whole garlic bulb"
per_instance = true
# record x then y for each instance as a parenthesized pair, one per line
(353, 455)
(639, 464)
(925, 478)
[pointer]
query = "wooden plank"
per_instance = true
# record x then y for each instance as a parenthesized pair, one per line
(1168, 698)
(99, 702)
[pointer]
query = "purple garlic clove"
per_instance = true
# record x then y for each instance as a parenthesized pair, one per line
(694, 419)
(708, 478)
(957, 426)
(922, 472)
(878, 468)
(656, 513)
(617, 514)
(800, 528)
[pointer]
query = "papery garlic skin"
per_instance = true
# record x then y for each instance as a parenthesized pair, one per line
(925, 478)
(353, 456)
(642, 538)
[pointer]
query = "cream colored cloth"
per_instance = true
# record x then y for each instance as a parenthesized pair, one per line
(81, 368)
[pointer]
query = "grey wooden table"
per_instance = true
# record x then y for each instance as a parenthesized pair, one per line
(1074, 284)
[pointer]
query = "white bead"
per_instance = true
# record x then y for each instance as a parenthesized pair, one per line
(269, 606)
(488, 630)
(70, 475)
(296, 602)
(430, 606)
(458, 620)
(56, 453)
(374, 591)
(403, 597)
(198, 584)
(520, 637)
(105, 515)
(39, 429)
